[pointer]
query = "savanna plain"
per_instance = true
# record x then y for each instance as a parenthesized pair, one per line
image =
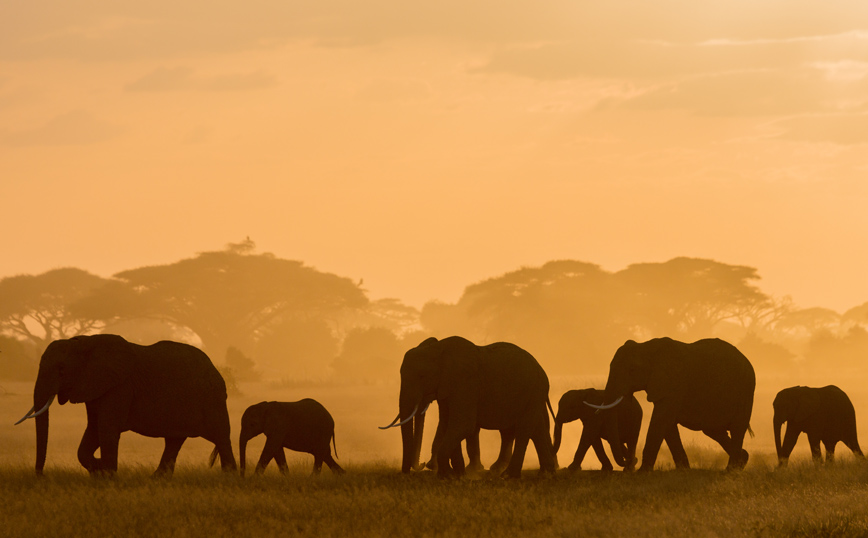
(374, 499)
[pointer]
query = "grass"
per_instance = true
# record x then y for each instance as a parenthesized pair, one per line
(375, 500)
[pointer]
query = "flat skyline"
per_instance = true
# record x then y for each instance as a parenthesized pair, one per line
(427, 147)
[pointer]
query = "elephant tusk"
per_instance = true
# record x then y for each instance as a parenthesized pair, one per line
(426, 409)
(406, 420)
(602, 407)
(36, 414)
(397, 418)
(26, 416)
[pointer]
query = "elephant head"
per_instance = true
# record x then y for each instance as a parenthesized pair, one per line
(573, 405)
(253, 423)
(76, 370)
(420, 382)
(787, 405)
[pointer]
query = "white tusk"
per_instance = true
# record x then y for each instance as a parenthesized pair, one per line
(26, 416)
(44, 408)
(397, 417)
(602, 407)
(406, 420)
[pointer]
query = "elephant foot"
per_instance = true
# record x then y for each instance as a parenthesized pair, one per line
(497, 469)
(475, 467)
(646, 468)
(738, 463)
(432, 465)
(575, 466)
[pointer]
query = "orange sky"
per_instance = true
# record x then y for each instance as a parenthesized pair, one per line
(425, 146)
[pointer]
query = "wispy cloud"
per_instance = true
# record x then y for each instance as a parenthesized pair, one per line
(166, 79)
(78, 127)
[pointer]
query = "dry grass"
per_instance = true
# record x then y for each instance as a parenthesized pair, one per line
(375, 500)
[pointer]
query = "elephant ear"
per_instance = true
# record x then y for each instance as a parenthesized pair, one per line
(100, 363)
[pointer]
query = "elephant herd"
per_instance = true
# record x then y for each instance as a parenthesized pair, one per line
(172, 390)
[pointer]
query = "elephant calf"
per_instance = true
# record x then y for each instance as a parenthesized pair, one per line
(303, 426)
(619, 427)
(825, 414)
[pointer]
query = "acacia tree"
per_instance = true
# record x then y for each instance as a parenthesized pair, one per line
(229, 297)
(565, 313)
(689, 297)
(40, 308)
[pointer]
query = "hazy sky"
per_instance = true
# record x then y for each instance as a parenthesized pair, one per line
(423, 146)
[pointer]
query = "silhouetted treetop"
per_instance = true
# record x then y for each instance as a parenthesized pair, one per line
(39, 308)
(690, 296)
(228, 297)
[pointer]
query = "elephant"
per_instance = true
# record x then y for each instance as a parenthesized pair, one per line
(303, 426)
(825, 414)
(619, 425)
(168, 389)
(706, 386)
(495, 387)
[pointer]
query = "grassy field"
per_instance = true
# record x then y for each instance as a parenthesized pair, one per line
(373, 499)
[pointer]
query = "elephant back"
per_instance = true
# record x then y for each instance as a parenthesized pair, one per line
(179, 381)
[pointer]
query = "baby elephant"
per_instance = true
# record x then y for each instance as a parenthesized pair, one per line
(825, 414)
(304, 426)
(619, 427)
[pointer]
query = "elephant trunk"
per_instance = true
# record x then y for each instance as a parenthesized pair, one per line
(418, 430)
(778, 425)
(242, 448)
(559, 426)
(47, 386)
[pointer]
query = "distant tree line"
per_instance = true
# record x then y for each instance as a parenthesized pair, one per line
(260, 316)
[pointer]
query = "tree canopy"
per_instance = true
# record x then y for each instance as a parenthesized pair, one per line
(229, 297)
(40, 308)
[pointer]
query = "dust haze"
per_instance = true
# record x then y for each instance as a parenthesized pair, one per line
(305, 192)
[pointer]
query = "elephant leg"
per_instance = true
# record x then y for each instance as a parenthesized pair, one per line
(788, 445)
(584, 445)
(438, 438)
(273, 449)
(676, 448)
(814, 443)
(89, 444)
(280, 460)
(170, 455)
(317, 465)
(853, 444)
(513, 470)
(830, 450)
(109, 438)
(507, 437)
(601, 455)
(474, 456)
(660, 424)
(737, 460)
(542, 442)
(330, 461)
(456, 461)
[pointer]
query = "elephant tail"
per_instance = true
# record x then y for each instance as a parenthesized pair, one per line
(212, 458)
(750, 431)
(552, 411)
(335, 445)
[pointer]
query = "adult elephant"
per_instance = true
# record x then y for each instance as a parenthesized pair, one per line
(303, 426)
(825, 414)
(705, 386)
(619, 427)
(167, 389)
(495, 387)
